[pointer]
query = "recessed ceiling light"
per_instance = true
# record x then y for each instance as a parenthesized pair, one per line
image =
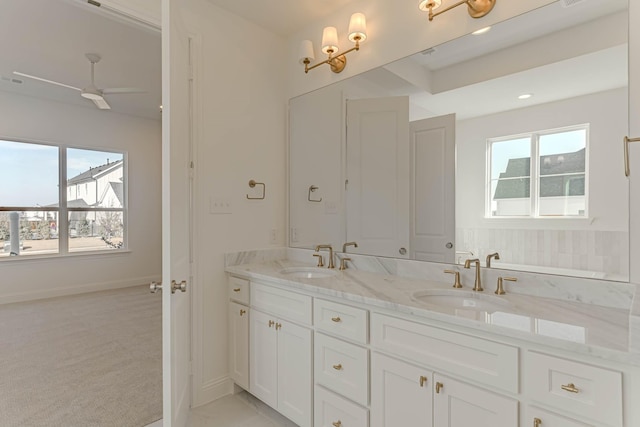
(481, 31)
(525, 96)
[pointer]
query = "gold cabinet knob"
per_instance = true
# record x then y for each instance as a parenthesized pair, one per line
(337, 423)
(338, 367)
(242, 312)
(336, 319)
(236, 289)
(537, 422)
(439, 386)
(271, 323)
(278, 326)
(423, 380)
(571, 388)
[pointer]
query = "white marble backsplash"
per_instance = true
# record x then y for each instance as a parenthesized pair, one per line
(254, 256)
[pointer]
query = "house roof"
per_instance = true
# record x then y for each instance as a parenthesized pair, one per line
(555, 164)
(94, 173)
(118, 190)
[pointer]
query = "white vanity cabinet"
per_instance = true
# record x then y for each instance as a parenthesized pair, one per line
(280, 359)
(238, 291)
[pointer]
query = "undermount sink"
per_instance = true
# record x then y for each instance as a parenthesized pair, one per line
(308, 272)
(457, 299)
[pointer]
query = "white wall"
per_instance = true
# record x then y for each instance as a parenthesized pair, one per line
(31, 119)
(241, 125)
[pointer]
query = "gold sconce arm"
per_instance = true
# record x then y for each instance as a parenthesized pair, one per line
(337, 62)
(476, 8)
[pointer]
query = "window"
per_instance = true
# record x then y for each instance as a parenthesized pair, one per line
(550, 165)
(60, 200)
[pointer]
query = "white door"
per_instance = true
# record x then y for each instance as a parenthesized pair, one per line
(295, 395)
(457, 404)
(432, 189)
(176, 215)
(239, 344)
(263, 358)
(377, 193)
(401, 394)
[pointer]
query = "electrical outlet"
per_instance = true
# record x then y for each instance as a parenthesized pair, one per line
(219, 205)
(273, 236)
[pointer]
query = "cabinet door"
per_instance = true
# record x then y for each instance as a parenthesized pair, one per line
(294, 373)
(263, 360)
(397, 396)
(457, 404)
(239, 344)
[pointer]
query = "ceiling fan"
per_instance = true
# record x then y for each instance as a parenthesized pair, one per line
(90, 92)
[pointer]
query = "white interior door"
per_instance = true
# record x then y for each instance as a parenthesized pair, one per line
(176, 215)
(432, 189)
(377, 193)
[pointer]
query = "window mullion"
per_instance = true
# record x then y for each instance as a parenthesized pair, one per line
(534, 175)
(63, 213)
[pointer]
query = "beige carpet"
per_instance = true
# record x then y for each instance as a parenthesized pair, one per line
(85, 360)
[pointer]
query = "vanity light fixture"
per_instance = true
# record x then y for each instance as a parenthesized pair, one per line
(476, 8)
(336, 60)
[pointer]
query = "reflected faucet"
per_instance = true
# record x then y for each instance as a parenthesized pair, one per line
(330, 265)
(495, 255)
(477, 286)
(344, 247)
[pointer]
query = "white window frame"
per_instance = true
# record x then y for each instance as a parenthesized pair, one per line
(63, 210)
(534, 173)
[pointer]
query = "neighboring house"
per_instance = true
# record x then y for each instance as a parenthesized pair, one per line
(562, 183)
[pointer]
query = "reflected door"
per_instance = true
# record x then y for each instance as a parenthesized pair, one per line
(377, 195)
(432, 189)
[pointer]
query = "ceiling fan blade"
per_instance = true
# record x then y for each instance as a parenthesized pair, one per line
(101, 103)
(118, 90)
(29, 76)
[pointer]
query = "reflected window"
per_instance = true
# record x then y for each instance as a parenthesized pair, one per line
(541, 174)
(59, 200)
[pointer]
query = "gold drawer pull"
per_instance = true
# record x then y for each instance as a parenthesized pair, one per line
(338, 367)
(423, 380)
(439, 386)
(537, 422)
(236, 289)
(571, 388)
(242, 312)
(336, 319)
(337, 423)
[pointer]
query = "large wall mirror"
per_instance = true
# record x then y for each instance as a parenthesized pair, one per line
(507, 141)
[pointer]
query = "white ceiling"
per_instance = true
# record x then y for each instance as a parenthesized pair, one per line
(49, 39)
(283, 17)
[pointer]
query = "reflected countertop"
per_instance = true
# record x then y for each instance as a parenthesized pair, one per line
(574, 326)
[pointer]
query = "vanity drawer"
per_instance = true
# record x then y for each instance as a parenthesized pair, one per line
(574, 387)
(549, 419)
(238, 290)
(488, 362)
(331, 410)
(341, 320)
(285, 304)
(342, 367)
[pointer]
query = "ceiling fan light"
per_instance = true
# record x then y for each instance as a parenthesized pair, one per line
(91, 93)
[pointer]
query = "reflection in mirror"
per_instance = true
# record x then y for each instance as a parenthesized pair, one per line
(528, 116)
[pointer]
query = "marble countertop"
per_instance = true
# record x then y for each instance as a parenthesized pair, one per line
(589, 329)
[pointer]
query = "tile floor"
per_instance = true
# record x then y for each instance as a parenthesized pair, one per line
(240, 410)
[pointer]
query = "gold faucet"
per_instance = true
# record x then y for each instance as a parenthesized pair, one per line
(330, 265)
(495, 255)
(477, 286)
(500, 288)
(344, 247)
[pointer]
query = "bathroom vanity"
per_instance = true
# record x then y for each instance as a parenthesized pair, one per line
(361, 348)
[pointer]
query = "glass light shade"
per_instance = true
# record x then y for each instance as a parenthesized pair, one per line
(424, 4)
(358, 27)
(306, 51)
(330, 40)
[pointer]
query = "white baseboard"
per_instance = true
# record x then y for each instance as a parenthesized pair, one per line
(212, 390)
(72, 290)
